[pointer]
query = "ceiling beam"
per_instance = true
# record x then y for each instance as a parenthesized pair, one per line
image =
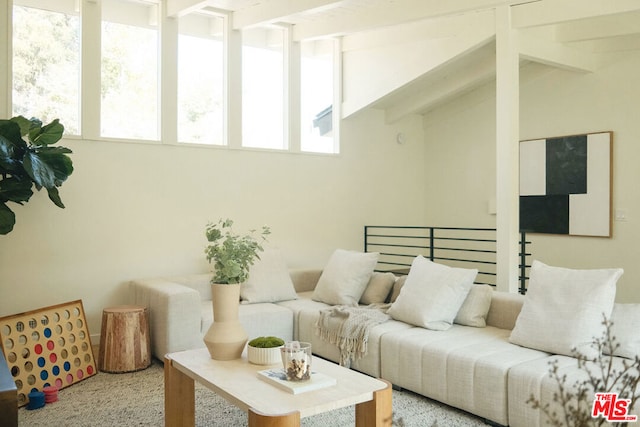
(385, 15)
(556, 54)
(549, 12)
(462, 80)
(271, 11)
(609, 26)
(176, 8)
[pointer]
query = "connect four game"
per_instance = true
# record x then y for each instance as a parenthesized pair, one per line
(47, 347)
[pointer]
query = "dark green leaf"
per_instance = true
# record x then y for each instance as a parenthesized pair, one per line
(54, 196)
(7, 219)
(24, 124)
(12, 146)
(35, 128)
(11, 131)
(39, 170)
(15, 190)
(48, 134)
(58, 161)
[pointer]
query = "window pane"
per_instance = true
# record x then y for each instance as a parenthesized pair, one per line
(262, 88)
(129, 107)
(316, 97)
(200, 80)
(46, 65)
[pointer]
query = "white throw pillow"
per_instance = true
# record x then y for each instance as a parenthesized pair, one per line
(345, 277)
(475, 308)
(269, 280)
(378, 288)
(564, 308)
(432, 294)
(626, 330)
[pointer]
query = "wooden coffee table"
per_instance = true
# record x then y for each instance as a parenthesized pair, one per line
(267, 405)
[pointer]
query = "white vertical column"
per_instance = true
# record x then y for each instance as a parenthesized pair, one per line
(233, 85)
(337, 93)
(91, 69)
(6, 27)
(507, 140)
(168, 77)
(292, 91)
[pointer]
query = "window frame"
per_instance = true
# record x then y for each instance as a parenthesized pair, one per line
(90, 93)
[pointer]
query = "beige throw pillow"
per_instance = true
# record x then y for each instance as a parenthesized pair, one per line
(564, 308)
(378, 288)
(475, 307)
(397, 287)
(345, 277)
(432, 294)
(269, 280)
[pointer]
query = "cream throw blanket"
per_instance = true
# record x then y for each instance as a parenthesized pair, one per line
(348, 328)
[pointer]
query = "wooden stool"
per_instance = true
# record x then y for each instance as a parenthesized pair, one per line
(124, 339)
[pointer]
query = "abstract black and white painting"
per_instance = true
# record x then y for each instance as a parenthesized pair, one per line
(565, 185)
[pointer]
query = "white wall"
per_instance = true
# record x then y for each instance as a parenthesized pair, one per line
(460, 159)
(378, 62)
(137, 210)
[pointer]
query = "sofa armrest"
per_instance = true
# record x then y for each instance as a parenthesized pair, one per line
(305, 280)
(174, 314)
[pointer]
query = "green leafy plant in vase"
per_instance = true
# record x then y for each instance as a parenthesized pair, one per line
(232, 255)
(25, 163)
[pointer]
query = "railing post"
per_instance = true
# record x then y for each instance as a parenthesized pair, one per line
(523, 262)
(431, 244)
(366, 235)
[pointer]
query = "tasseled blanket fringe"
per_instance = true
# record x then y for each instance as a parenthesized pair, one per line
(350, 331)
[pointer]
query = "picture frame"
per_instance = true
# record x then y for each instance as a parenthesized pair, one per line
(566, 185)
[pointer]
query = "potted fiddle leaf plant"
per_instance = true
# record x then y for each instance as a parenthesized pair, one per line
(28, 158)
(232, 256)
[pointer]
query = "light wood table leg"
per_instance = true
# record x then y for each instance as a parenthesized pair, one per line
(179, 397)
(257, 419)
(378, 411)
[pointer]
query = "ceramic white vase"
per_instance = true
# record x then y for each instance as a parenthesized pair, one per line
(226, 337)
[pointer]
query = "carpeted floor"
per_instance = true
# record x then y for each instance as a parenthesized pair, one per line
(137, 399)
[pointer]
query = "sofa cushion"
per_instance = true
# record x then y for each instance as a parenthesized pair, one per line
(263, 319)
(475, 307)
(304, 302)
(533, 379)
(457, 367)
(625, 329)
(569, 302)
(269, 280)
(432, 294)
(378, 288)
(369, 363)
(345, 277)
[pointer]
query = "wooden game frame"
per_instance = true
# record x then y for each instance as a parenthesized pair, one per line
(47, 347)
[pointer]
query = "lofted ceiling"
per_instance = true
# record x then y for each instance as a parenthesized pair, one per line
(576, 35)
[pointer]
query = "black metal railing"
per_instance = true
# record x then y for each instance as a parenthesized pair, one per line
(453, 246)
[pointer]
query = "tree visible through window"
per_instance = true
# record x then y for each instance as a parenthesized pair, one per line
(129, 107)
(46, 65)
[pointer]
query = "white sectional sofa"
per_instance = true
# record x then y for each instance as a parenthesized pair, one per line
(476, 369)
